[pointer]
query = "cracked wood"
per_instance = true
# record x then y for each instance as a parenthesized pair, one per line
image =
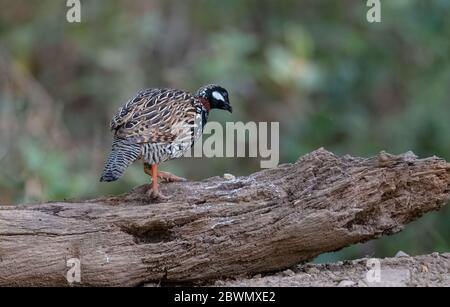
(217, 228)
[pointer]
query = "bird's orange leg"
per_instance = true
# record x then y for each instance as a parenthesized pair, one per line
(153, 172)
(168, 177)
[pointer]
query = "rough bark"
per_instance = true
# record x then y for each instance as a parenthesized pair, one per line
(270, 220)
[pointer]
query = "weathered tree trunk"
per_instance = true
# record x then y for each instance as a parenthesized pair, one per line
(217, 228)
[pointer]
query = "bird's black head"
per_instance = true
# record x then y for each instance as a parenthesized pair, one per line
(216, 96)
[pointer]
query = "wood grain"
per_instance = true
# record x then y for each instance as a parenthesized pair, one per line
(218, 228)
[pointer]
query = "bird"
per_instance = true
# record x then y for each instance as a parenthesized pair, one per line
(157, 125)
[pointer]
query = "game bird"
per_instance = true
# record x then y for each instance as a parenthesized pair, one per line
(157, 125)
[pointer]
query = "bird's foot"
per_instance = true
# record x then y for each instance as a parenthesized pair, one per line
(156, 194)
(168, 177)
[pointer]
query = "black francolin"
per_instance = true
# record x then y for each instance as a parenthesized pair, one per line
(158, 125)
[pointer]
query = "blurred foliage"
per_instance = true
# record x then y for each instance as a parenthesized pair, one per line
(318, 67)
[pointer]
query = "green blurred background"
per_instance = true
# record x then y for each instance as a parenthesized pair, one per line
(318, 67)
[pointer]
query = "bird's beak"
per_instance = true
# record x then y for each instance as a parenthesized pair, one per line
(229, 108)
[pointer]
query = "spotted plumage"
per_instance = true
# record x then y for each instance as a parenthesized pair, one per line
(158, 125)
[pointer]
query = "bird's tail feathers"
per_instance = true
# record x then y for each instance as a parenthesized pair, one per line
(123, 153)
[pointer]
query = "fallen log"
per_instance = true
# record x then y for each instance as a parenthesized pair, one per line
(220, 227)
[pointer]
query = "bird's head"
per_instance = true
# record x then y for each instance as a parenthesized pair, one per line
(216, 96)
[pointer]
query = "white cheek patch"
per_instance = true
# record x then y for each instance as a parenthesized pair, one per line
(218, 96)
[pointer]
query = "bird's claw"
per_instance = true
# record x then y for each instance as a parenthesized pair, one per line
(156, 194)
